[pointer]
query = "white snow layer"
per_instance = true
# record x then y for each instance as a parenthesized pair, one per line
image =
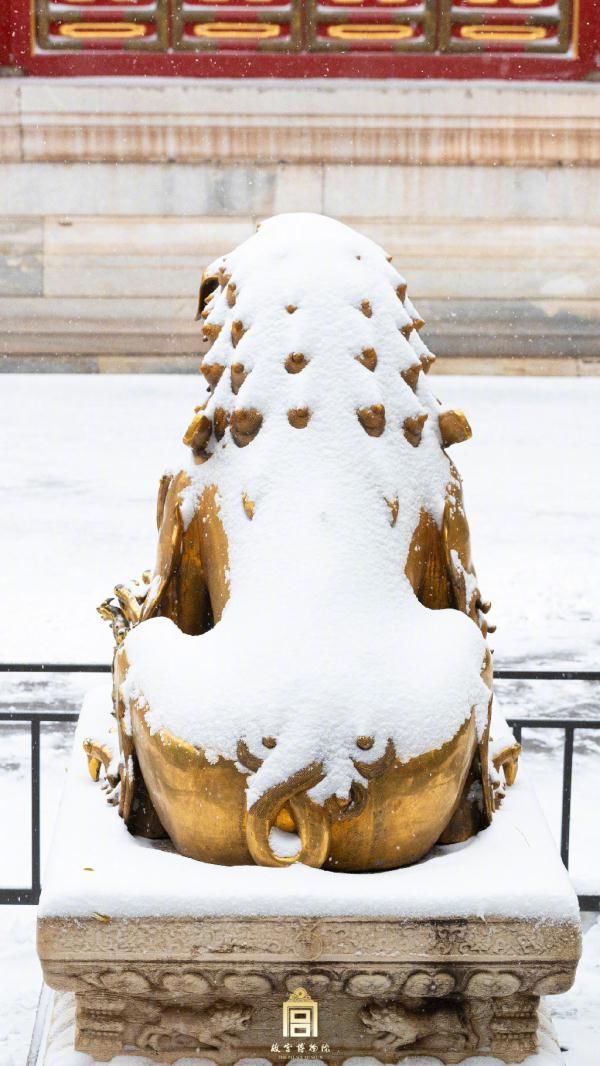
(510, 870)
(323, 639)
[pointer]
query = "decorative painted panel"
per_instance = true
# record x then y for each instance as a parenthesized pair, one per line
(304, 38)
(506, 25)
(392, 26)
(105, 25)
(371, 25)
(237, 25)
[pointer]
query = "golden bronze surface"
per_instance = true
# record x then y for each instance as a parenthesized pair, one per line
(295, 362)
(245, 424)
(411, 376)
(98, 755)
(372, 419)
(454, 427)
(298, 417)
(413, 429)
(238, 377)
(368, 358)
(202, 805)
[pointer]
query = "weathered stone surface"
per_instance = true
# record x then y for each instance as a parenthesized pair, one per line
(21, 257)
(61, 1028)
(465, 184)
(442, 261)
(215, 987)
(461, 192)
(126, 287)
(10, 125)
(397, 193)
(62, 940)
(444, 987)
(305, 122)
(140, 189)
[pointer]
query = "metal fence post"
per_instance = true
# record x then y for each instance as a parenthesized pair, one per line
(565, 826)
(35, 808)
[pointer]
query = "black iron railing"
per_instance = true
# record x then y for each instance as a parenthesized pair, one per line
(34, 718)
(569, 726)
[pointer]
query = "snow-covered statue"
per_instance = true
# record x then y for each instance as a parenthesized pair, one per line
(305, 676)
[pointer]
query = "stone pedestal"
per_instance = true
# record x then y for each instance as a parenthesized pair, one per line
(216, 988)
(173, 958)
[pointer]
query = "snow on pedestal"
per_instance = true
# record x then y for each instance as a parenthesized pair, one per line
(476, 932)
(511, 870)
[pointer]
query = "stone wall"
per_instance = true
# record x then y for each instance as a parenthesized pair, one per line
(115, 192)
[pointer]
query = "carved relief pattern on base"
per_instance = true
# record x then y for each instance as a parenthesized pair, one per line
(472, 981)
(215, 988)
(449, 1028)
(324, 940)
(148, 1025)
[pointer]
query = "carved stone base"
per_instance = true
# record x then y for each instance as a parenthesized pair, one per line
(216, 988)
(60, 1032)
(449, 1028)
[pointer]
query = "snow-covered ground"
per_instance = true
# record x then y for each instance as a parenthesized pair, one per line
(80, 459)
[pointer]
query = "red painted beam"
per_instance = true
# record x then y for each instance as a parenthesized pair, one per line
(517, 66)
(6, 16)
